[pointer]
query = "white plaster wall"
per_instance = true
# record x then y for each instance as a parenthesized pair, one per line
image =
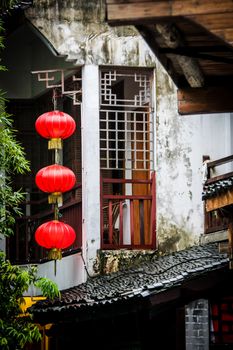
(77, 29)
(181, 143)
(69, 273)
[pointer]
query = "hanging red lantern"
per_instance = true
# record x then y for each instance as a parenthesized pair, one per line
(55, 236)
(55, 125)
(55, 179)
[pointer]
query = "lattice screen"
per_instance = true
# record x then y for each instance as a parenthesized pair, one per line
(126, 122)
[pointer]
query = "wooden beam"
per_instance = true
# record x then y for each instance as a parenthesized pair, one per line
(220, 161)
(190, 67)
(214, 21)
(135, 12)
(219, 201)
(192, 52)
(226, 35)
(197, 49)
(219, 177)
(149, 36)
(125, 1)
(138, 11)
(188, 7)
(205, 100)
(230, 240)
(219, 24)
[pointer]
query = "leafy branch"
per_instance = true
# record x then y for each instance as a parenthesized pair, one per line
(16, 327)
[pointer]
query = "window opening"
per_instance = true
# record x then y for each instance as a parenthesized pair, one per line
(126, 122)
(127, 158)
(22, 248)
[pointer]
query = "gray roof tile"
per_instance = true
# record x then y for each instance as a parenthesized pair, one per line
(152, 277)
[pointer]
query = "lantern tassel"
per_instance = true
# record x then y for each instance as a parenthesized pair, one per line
(55, 254)
(55, 197)
(55, 143)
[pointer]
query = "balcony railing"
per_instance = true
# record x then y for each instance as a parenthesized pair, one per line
(22, 248)
(216, 212)
(128, 220)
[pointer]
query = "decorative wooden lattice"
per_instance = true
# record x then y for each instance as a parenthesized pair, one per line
(126, 121)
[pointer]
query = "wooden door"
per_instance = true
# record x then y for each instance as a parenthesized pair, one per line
(142, 209)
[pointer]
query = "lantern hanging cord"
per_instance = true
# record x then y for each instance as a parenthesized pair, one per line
(56, 94)
(85, 266)
(56, 212)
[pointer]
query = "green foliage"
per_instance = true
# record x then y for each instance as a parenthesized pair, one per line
(1, 42)
(12, 160)
(17, 328)
(7, 4)
(49, 288)
(12, 155)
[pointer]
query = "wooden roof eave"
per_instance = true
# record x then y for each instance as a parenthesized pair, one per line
(214, 15)
(211, 17)
(166, 62)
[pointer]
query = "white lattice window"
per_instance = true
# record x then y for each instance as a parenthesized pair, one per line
(126, 122)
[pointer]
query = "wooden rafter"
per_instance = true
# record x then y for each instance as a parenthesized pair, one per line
(214, 15)
(190, 67)
(198, 54)
(139, 10)
(148, 35)
(205, 100)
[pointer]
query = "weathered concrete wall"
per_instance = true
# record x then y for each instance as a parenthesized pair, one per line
(108, 261)
(197, 325)
(78, 29)
(181, 143)
(69, 273)
(174, 171)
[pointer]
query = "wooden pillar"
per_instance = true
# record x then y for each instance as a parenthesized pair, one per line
(230, 239)
(90, 164)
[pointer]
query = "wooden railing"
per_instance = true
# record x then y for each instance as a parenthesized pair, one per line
(213, 220)
(22, 248)
(128, 221)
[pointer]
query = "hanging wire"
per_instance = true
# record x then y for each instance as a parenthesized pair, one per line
(56, 94)
(84, 264)
(56, 212)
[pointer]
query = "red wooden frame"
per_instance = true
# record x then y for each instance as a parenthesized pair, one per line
(212, 220)
(117, 201)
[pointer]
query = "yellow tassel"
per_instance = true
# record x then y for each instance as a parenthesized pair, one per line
(55, 144)
(55, 197)
(55, 254)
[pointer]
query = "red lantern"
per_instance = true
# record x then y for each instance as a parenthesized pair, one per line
(55, 235)
(55, 179)
(55, 125)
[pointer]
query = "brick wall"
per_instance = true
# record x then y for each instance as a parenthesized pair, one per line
(197, 325)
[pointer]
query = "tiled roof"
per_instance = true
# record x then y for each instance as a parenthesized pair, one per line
(216, 188)
(153, 277)
(19, 5)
